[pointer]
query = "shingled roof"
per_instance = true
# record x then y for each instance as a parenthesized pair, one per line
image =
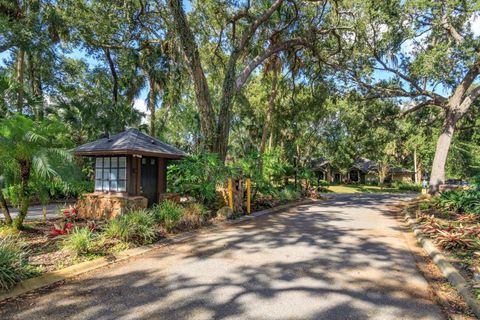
(131, 141)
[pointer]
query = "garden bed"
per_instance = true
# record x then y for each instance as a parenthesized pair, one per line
(454, 232)
(55, 244)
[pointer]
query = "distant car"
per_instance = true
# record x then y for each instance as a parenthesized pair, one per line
(456, 182)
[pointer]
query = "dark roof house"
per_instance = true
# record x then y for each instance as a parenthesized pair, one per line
(131, 163)
(130, 142)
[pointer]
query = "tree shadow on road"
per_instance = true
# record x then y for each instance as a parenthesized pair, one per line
(301, 262)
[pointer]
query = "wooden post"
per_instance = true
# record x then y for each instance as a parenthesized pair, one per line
(230, 193)
(249, 186)
(415, 168)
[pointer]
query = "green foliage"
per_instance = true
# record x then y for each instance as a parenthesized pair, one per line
(423, 205)
(58, 189)
(13, 262)
(460, 200)
(198, 176)
(80, 241)
(137, 227)
(289, 194)
(35, 152)
(323, 183)
(167, 213)
(407, 186)
(197, 209)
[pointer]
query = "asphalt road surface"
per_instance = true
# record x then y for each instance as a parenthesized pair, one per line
(345, 258)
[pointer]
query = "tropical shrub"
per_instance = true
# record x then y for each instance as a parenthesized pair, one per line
(460, 201)
(455, 239)
(167, 213)
(288, 194)
(136, 227)
(407, 186)
(198, 176)
(58, 189)
(35, 147)
(14, 265)
(80, 241)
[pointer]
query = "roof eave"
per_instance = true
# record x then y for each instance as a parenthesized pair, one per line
(99, 153)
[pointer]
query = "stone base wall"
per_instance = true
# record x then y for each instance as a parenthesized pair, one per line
(107, 206)
(175, 197)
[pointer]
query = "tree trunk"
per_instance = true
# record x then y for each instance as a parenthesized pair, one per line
(25, 168)
(228, 93)
(151, 105)
(268, 121)
(202, 93)
(441, 153)
(5, 211)
(20, 68)
(36, 88)
(270, 110)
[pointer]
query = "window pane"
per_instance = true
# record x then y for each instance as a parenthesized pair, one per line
(152, 161)
(122, 173)
(98, 185)
(122, 162)
(114, 162)
(98, 173)
(106, 162)
(106, 174)
(113, 174)
(144, 161)
(106, 186)
(99, 162)
(122, 185)
(113, 185)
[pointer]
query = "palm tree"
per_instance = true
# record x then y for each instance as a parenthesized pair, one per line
(33, 147)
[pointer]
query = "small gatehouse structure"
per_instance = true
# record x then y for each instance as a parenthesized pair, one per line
(130, 171)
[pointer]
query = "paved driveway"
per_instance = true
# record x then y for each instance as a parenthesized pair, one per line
(341, 259)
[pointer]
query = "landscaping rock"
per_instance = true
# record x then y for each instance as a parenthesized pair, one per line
(225, 212)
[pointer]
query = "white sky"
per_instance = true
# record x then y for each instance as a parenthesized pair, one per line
(140, 105)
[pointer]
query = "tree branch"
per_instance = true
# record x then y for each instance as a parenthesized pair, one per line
(254, 26)
(242, 78)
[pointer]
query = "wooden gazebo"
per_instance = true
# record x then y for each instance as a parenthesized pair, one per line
(130, 169)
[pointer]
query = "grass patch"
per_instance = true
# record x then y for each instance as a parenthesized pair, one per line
(352, 188)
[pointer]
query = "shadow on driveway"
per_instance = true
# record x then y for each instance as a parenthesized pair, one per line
(339, 259)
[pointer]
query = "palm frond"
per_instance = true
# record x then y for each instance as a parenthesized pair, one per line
(41, 167)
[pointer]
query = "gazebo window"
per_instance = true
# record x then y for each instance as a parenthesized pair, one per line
(111, 174)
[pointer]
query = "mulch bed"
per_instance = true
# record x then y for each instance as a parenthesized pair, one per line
(45, 251)
(466, 259)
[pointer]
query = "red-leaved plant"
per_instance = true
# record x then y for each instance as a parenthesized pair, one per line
(70, 212)
(60, 229)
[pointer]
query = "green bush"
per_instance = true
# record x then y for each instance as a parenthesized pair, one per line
(197, 209)
(407, 186)
(193, 216)
(81, 241)
(14, 265)
(168, 213)
(198, 176)
(423, 205)
(323, 183)
(136, 227)
(288, 194)
(460, 200)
